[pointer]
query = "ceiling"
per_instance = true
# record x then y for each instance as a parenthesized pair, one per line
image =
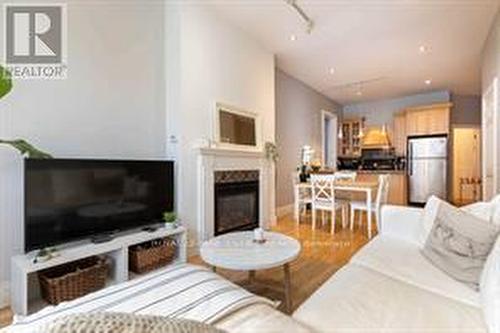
(376, 41)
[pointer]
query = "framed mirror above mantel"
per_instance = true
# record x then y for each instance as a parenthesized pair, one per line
(236, 128)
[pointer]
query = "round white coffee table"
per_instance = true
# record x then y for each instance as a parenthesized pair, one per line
(238, 251)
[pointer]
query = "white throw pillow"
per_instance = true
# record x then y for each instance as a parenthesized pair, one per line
(459, 244)
(482, 210)
(488, 211)
(490, 289)
(109, 322)
(430, 212)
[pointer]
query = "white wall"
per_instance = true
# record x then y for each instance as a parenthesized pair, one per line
(490, 70)
(111, 105)
(381, 112)
(491, 55)
(125, 96)
(209, 61)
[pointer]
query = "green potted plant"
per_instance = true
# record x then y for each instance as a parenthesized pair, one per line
(170, 219)
(45, 254)
(25, 148)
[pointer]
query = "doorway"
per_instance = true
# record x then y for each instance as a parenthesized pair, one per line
(466, 165)
(329, 125)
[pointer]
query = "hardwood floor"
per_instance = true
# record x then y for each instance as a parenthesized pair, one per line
(322, 255)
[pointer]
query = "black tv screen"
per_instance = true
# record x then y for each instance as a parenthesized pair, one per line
(69, 199)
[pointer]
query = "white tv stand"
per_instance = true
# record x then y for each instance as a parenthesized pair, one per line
(23, 266)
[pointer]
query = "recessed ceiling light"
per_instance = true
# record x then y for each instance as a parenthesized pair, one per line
(428, 82)
(423, 49)
(331, 70)
(293, 38)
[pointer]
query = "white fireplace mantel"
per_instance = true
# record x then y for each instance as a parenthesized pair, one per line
(231, 152)
(225, 159)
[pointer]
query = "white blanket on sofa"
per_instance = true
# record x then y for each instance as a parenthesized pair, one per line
(185, 291)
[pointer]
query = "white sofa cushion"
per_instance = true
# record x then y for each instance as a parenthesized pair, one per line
(359, 299)
(403, 261)
(401, 222)
(490, 289)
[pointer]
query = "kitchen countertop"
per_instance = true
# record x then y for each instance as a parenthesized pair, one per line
(376, 172)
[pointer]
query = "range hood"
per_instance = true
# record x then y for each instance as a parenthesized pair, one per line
(376, 138)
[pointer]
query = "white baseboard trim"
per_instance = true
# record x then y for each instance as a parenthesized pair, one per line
(284, 210)
(4, 294)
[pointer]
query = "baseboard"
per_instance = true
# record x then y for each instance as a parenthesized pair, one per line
(4, 294)
(284, 210)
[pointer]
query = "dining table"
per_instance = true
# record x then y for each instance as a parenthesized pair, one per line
(352, 186)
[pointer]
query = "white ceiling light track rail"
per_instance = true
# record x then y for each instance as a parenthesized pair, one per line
(357, 87)
(307, 19)
(357, 84)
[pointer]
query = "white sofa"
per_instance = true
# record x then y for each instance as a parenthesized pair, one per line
(389, 286)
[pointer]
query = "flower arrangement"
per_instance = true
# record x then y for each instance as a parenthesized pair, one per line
(271, 151)
(316, 165)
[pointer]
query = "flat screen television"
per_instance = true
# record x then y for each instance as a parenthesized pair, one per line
(74, 199)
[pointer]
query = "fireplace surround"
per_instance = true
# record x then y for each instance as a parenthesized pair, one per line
(214, 160)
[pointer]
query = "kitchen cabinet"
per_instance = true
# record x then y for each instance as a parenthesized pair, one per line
(397, 186)
(350, 143)
(428, 120)
(398, 189)
(399, 134)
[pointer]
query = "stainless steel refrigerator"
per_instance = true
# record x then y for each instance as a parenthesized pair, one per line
(427, 168)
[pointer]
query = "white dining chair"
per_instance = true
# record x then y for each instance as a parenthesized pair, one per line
(345, 197)
(380, 200)
(323, 199)
(302, 196)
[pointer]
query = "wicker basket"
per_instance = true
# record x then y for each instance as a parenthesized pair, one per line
(73, 280)
(151, 255)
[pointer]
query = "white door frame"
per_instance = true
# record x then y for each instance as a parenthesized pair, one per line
(329, 115)
(490, 93)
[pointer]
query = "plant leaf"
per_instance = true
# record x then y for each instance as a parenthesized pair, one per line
(5, 82)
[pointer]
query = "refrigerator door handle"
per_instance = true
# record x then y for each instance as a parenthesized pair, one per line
(410, 159)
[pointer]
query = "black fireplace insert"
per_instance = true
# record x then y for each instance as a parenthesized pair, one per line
(236, 204)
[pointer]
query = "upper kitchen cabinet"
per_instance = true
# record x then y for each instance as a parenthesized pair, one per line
(428, 120)
(352, 132)
(399, 134)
